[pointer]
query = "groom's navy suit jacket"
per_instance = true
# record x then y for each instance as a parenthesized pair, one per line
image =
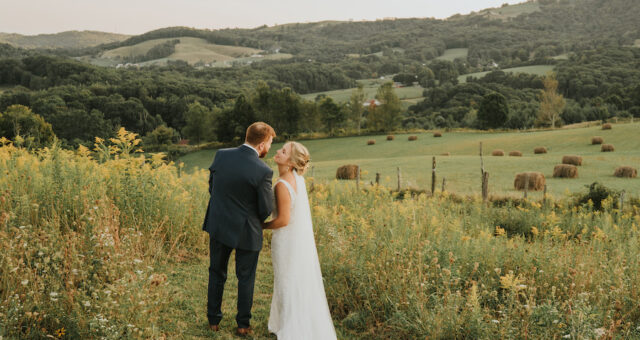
(241, 198)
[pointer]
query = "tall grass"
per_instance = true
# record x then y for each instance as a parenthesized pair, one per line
(444, 268)
(80, 239)
(84, 233)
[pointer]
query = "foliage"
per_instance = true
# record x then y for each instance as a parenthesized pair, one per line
(386, 116)
(493, 111)
(20, 122)
(551, 102)
(597, 194)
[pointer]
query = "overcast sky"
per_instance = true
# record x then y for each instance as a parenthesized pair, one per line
(139, 16)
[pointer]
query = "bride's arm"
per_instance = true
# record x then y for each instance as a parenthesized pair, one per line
(283, 203)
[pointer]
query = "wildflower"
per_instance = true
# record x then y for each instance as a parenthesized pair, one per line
(22, 227)
(500, 231)
(25, 282)
(495, 321)
(60, 332)
(535, 231)
(566, 336)
(53, 294)
(600, 332)
(137, 261)
(86, 303)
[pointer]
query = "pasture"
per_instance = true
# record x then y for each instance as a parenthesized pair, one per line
(511, 11)
(114, 249)
(540, 70)
(407, 94)
(452, 54)
(462, 168)
(191, 50)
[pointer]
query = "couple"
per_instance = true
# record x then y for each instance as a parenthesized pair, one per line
(241, 200)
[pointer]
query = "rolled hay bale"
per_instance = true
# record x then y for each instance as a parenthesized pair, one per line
(626, 172)
(540, 150)
(412, 138)
(596, 140)
(349, 171)
(497, 152)
(391, 137)
(515, 153)
(607, 148)
(536, 181)
(445, 154)
(437, 134)
(371, 142)
(606, 126)
(565, 171)
(572, 160)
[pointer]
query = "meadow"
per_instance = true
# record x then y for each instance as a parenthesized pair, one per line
(191, 50)
(104, 243)
(406, 94)
(462, 168)
(539, 70)
(452, 54)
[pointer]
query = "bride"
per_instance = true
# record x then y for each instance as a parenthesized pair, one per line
(299, 308)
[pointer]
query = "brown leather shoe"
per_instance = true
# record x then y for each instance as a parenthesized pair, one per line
(214, 328)
(245, 331)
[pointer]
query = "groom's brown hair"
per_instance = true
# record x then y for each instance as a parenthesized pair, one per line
(259, 132)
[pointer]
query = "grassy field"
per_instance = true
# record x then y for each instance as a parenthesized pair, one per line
(110, 246)
(511, 11)
(535, 69)
(191, 50)
(408, 94)
(462, 168)
(454, 53)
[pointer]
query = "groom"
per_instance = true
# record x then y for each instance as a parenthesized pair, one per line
(241, 199)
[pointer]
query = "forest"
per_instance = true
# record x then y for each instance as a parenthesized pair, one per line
(589, 43)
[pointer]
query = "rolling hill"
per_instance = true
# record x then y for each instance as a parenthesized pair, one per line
(188, 49)
(68, 40)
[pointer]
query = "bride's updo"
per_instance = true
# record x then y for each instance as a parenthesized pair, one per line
(299, 157)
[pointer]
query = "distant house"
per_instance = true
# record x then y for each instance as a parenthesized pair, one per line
(371, 103)
(398, 84)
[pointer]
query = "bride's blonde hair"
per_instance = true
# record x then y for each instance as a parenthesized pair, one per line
(299, 157)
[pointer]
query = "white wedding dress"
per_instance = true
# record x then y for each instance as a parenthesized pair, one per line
(299, 308)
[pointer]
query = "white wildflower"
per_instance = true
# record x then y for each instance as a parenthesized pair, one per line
(22, 227)
(522, 286)
(600, 332)
(567, 336)
(53, 294)
(139, 272)
(137, 261)
(495, 321)
(25, 282)
(86, 303)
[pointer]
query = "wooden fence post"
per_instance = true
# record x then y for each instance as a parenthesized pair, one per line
(621, 201)
(526, 185)
(444, 181)
(358, 179)
(399, 180)
(433, 176)
(377, 178)
(485, 186)
(544, 195)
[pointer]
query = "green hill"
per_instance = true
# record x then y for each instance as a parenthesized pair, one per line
(462, 168)
(69, 39)
(189, 49)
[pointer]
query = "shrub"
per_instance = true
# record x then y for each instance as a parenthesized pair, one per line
(626, 172)
(572, 160)
(515, 153)
(565, 171)
(596, 140)
(536, 181)
(607, 148)
(540, 150)
(497, 152)
(596, 194)
(349, 171)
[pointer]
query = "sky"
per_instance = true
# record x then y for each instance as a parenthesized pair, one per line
(31, 17)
